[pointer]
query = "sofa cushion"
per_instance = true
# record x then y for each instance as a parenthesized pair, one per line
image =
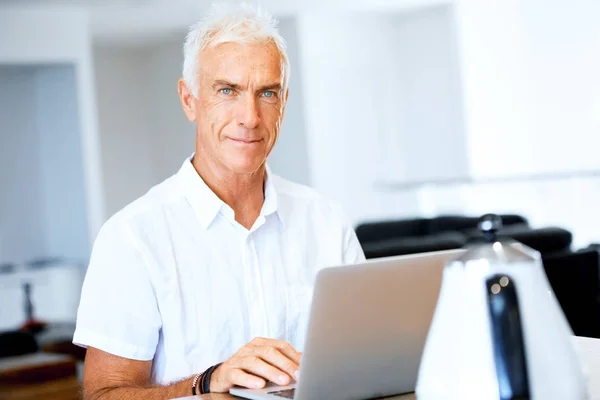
(377, 231)
(412, 245)
(547, 241)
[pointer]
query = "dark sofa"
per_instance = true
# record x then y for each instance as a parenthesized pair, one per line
(573, 275)
(410, 236)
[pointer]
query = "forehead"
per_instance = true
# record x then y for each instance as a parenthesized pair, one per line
(241, 62)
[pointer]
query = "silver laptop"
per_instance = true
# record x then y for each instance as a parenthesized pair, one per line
(367, 329)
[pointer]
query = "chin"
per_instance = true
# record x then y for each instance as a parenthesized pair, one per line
(245, 165)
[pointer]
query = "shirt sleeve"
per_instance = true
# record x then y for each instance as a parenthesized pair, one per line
(118, 312)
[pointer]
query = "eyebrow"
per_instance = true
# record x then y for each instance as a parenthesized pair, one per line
(221, 82)
(235, 86)
(273, 86)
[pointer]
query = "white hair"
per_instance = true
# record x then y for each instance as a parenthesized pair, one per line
(226, 23)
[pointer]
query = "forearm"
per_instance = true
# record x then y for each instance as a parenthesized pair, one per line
(179, 389)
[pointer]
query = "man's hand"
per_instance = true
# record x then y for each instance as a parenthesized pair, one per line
(259, 361)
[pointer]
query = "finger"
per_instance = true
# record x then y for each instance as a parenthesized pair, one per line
(289, 351)
(259, 367)
(286, 348)
(258, 341)
(242, 378)
(276, 358)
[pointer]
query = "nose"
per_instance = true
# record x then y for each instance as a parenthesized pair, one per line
(248, 116)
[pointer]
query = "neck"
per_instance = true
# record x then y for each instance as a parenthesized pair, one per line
(244, 193)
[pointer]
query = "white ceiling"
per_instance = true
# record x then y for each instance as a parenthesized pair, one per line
(137, 21)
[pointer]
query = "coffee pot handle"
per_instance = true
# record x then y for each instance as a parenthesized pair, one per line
(507, 338)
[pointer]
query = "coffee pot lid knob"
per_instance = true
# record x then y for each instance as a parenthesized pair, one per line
(489, 225)
(495, 249)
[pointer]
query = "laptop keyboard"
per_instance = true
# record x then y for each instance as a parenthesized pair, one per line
(286, 393)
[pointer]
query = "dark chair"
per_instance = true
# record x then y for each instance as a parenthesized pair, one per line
(575, 280)
(17, 343)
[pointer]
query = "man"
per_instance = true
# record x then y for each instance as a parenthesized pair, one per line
(206, 281)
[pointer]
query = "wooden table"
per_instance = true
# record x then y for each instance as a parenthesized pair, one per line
(39, 376)
(589, 350)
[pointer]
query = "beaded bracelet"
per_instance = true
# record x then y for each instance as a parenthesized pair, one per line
(204, 379)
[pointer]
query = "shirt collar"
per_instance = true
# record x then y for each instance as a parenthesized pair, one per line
(207, 205)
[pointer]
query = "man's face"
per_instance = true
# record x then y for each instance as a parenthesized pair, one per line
(239, 105)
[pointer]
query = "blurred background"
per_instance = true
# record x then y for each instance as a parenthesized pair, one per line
(416, 115)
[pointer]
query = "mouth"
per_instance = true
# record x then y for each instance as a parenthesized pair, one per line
(244, 141)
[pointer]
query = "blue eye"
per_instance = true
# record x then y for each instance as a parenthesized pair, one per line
(226, 91)
(269, 94)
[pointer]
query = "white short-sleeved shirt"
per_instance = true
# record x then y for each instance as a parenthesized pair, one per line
(175, 279)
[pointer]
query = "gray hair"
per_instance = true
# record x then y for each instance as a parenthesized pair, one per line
(226, 23)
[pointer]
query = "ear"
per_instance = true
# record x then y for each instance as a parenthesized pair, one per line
(188, 101)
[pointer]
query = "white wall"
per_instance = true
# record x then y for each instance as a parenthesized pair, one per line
(422, 131)
(40, 35)
(144, 133)
(42, 204)
(532, 86)
(21, 226)
(173, 136)
(58, 35)
(124, 126)
(289, 158)
(384, 105)
(486, 89)
(55, 209)
(58, 137)
(531, 95)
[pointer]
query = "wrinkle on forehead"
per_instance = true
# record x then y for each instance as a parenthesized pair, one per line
(245, 64)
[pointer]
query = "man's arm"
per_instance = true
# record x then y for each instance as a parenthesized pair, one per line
(110, 377)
